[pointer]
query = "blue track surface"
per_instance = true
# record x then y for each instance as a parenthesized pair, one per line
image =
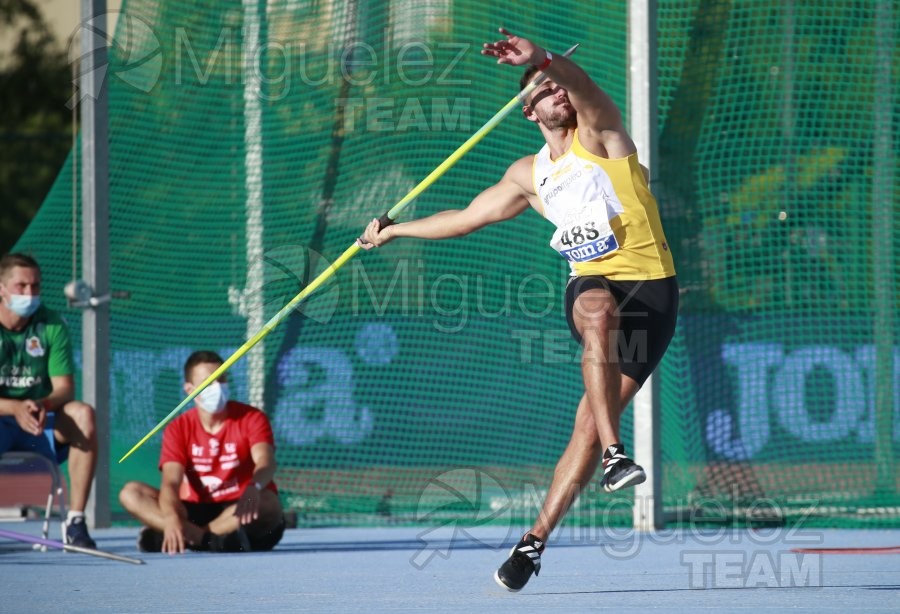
(412, 570)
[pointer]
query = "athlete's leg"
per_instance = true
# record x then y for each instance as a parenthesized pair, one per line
(595, 316)
(577, 464)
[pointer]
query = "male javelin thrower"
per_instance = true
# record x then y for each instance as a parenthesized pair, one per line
(622, 295)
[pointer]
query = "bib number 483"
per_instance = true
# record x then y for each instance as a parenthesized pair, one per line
(577, 235)
(585, 241)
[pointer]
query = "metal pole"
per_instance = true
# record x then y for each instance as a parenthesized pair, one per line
(788, 122)
(253, 169)
(642, 119)
(95, 243)
(49, 543)
(883, 262)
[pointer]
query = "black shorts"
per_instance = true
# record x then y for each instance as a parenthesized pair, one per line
(201, 514)
(647, 314)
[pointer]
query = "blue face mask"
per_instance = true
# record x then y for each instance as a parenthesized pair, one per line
(23, 305)
(213, 398)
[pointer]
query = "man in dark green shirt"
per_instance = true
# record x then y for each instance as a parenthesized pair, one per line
(37, 388)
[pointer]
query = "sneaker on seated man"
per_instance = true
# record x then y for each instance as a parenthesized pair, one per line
(38, 412)
(216, 492)
(77, 531)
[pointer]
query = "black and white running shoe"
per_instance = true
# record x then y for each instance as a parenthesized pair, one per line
(619, 471)
(524, 560)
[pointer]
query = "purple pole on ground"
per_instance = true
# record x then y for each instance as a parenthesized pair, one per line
(30, 539)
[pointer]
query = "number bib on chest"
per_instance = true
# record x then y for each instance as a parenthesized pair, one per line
(586, 235)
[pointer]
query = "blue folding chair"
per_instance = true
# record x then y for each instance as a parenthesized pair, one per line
(33, 460)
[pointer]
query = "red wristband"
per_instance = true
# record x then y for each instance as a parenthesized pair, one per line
(547, 61)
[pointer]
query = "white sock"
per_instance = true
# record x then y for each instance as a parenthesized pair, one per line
(72, 515)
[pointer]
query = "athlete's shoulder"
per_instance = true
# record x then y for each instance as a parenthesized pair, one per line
(524, 161)
(520, 172)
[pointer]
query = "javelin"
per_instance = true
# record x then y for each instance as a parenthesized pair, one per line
(385, 220)
(21, 537)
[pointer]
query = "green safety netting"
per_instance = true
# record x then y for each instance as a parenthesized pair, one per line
(251, 142)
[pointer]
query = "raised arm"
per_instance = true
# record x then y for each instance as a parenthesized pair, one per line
(502, 201)
(599, 119)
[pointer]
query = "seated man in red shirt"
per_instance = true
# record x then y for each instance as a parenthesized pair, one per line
(217, 463)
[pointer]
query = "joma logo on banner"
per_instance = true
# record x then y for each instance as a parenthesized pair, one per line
(772, 384)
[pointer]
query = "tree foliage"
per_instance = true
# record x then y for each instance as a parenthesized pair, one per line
(36, 124)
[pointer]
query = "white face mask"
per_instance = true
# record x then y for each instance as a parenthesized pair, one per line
(23, 305)
(213, 398)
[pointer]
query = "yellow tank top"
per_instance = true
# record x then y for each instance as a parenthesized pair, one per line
(607, 221)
